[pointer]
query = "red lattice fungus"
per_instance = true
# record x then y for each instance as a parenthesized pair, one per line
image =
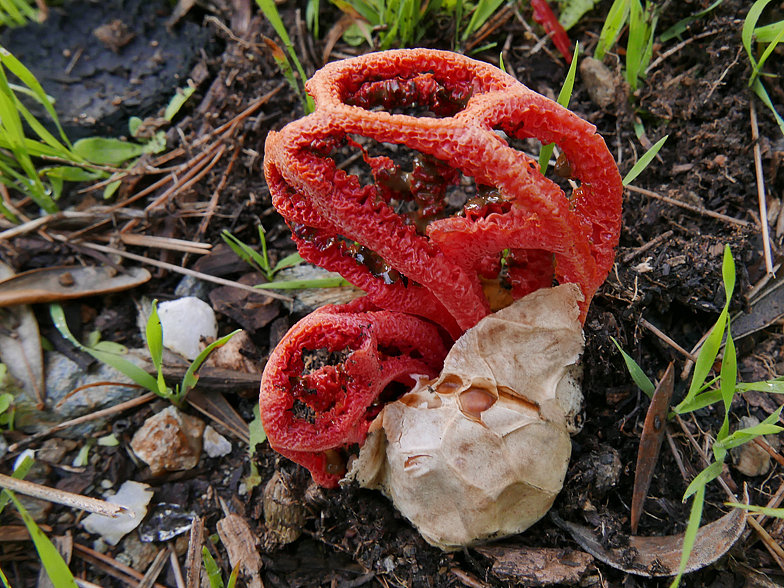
(445, 220)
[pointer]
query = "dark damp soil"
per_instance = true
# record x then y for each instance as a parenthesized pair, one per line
(667, 272)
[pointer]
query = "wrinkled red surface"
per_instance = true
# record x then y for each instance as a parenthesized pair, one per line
(521, 229)
(313, 414)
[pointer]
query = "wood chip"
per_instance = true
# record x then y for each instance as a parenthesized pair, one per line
(537, 566)
(240, 544)
(52, 284)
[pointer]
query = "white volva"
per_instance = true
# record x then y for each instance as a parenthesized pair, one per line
(482, 451)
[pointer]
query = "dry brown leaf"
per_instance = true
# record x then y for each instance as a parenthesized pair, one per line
(240, 544)
(650, 443)
(20, 346)
(51, 284)
(537, 566)
(654, 557)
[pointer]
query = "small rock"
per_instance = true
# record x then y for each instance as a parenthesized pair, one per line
(252, 311)
(54, 450)
(136, 554)
(71, 392)
(599, 81)
(186, 322)
(133, 495)
(169, 441)
(215, 444)
(191, 286)
(236, 355)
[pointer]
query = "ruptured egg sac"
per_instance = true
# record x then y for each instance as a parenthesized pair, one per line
(482, 452)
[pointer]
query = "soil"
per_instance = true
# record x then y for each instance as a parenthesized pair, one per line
(697, 94)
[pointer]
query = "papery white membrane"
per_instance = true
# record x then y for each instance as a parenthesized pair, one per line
(481, 452)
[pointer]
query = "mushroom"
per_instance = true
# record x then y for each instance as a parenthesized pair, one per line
(432, 272)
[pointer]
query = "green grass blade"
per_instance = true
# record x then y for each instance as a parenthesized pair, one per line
(154, 336)
(769, 32)
(212, 569)
(644, 161)
(107, 151)
(271, 12)
(700, 401)
(729, 377)
(246, 252)
(564, 97)
(484, 10)
(134, 372)
(681, 26)
(747, 32)
(54, 564)
(289, 261)
(763, 510)
(691, 533)
(638, 38)
(611, 30)
(312, 17)
(235, 573)
(743, 436)
(760, 91)
(190, 379)
(25, 75)
(770, 386)
(19, 473)
(768, 50)
(636, 372)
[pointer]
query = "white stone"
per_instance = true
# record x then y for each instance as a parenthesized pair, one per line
(215, 444)
(133, 495)
(186, 322)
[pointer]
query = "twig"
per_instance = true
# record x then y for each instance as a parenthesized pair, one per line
(112, 564)
(155, 569)
(193, 563)
(649, 245)
(205, 221)
(94, 505)
(159, 243)
(667, 339)
(677, 48)
(697, 209)
(175, 564)
(467, 579)
(763, 205)
(42, 221)
(187, 181)
(83, 419)
(180, 270)
(677, 455)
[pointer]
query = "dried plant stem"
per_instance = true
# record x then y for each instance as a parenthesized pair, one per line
(667, 340)
(649, 245)
(697, 209)
(180, 270)
(93, 505)
(763, 205)
(86, 418)
(111, 566)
